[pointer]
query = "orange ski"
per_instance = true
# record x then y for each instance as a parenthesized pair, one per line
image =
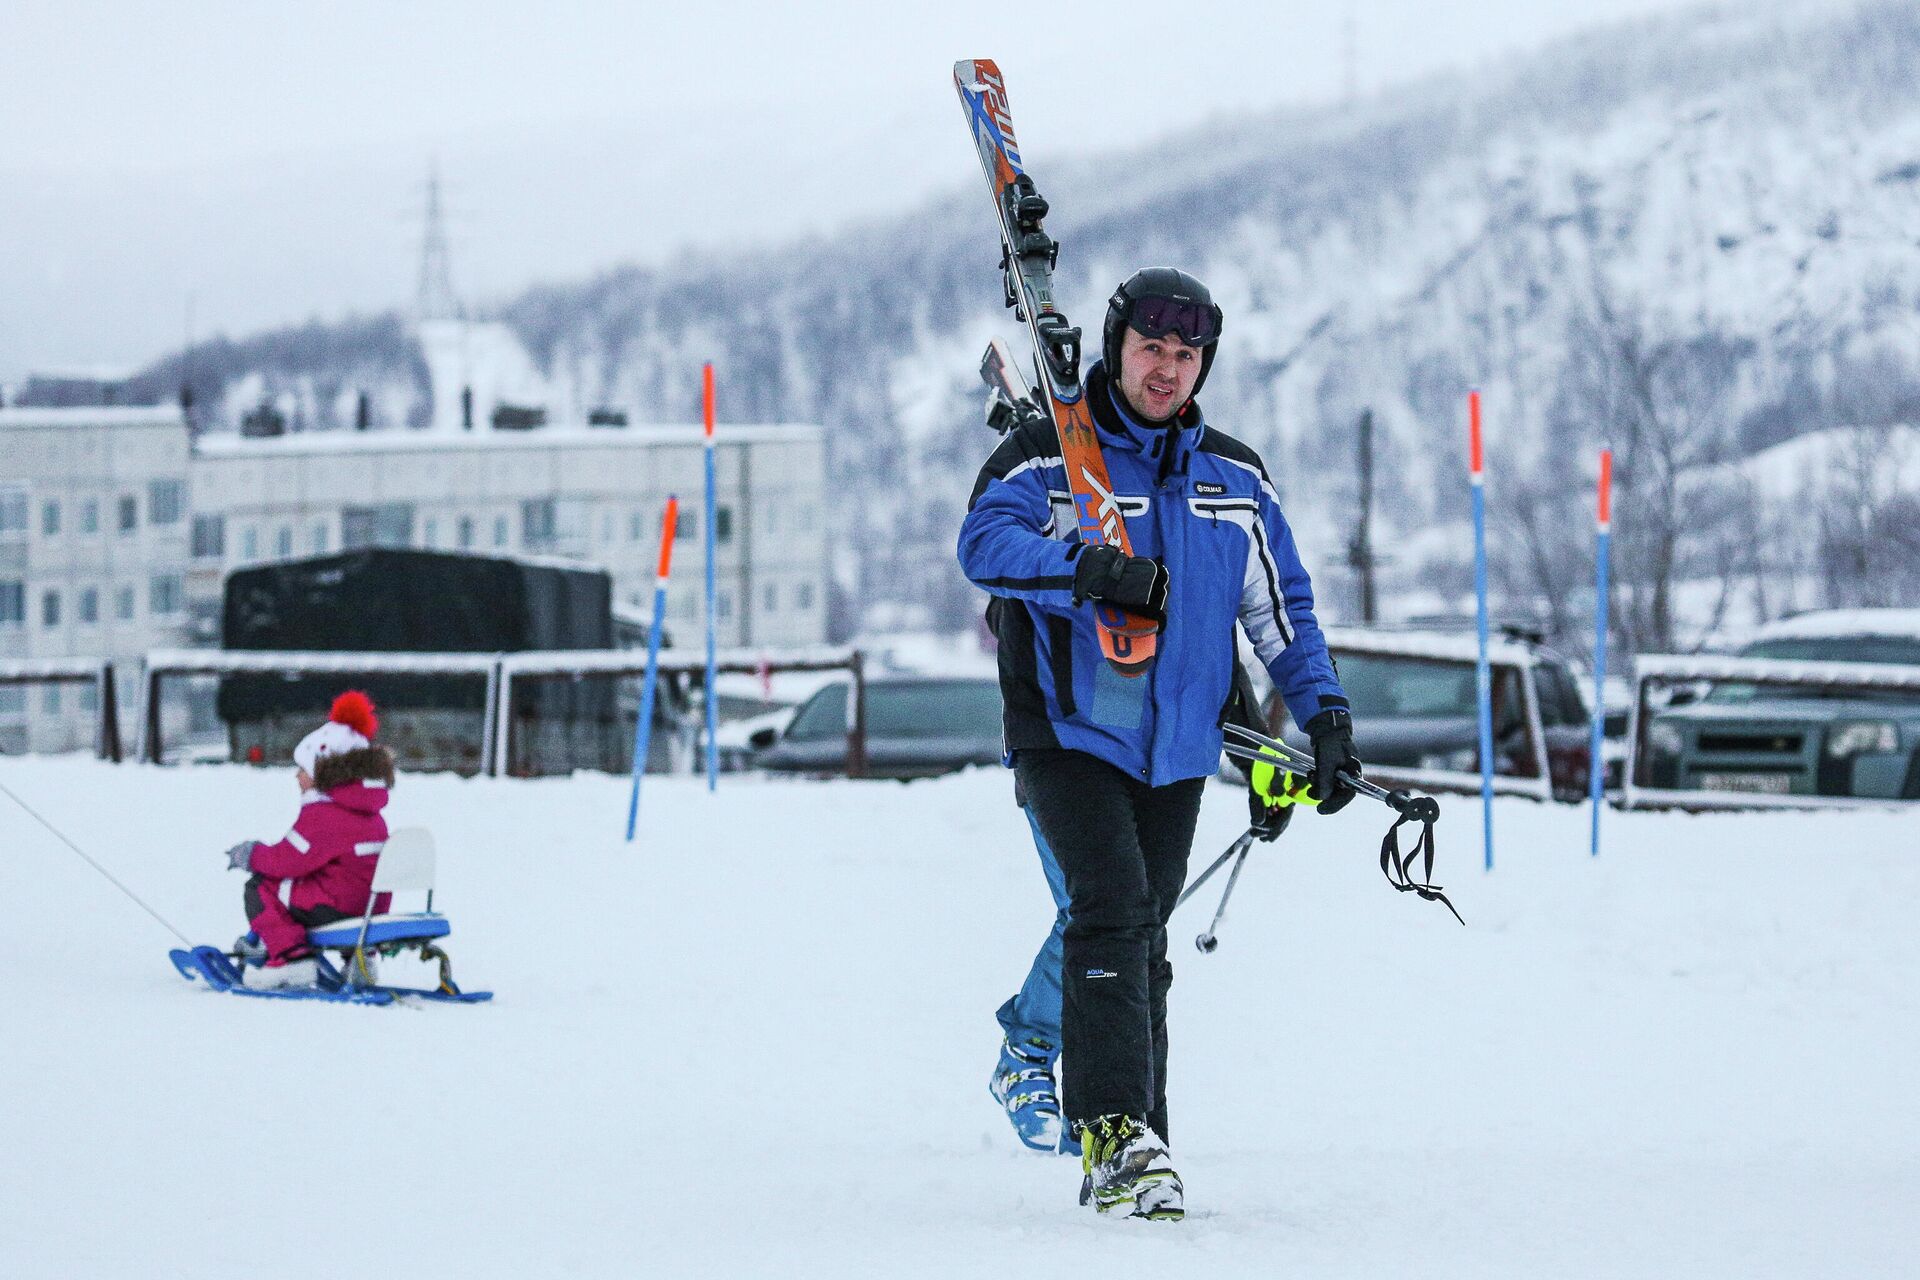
(1128, 641)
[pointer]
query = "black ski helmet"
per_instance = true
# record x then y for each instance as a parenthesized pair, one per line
(1159, 282)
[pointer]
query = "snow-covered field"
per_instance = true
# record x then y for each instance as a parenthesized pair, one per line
(756, 1043)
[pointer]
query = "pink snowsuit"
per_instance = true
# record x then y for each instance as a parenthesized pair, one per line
(321, 870)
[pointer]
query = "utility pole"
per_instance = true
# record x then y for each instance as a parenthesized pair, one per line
(1360, 549)
(186, 374)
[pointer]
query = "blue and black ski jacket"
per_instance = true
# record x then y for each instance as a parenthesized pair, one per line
(1199, 501)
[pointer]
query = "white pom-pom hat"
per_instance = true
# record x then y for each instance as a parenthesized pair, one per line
(350, 725)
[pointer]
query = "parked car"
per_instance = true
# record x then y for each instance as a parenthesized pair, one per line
(917, 727)
(1415, 697)
(1773, 739)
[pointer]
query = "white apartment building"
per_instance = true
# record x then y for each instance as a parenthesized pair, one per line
(595, 494)
(116, 533)
(94, 517)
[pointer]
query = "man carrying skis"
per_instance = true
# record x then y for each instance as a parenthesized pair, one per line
(1112, 767)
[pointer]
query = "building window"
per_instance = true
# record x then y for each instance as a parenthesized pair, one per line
(803, 596)
(89, 698)
(803, 518)
(723, 524)
(50, 519)
(13, 701)
(50, 700)
(388, 525)
(249, 543)
(50, 608)
(13, 511)
(166, 499)
(722, 606)
(209, 539)
(283, 541)
(163, 594)
(536, 523)
(89, 605)
(129, 513)
(499, 531)
(123, 604)
(606, 527)
(636, 524)
(431, 536)
(688, 525)
(13, 603)
(319, 539)
(90, 515)
(466, 532)
(770, 599)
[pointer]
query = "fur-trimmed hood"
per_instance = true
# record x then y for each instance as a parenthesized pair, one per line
(362, 764)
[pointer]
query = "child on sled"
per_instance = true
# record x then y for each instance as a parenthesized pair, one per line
(321, 871)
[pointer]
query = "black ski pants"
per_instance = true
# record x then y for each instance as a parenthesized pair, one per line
(1123, 847)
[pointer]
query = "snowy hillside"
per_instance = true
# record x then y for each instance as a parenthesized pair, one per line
(756, 1043)
(1689, 236)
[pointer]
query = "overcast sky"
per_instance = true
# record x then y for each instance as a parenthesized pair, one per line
(263, 163)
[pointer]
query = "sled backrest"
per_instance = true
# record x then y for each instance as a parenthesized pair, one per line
(406, 863)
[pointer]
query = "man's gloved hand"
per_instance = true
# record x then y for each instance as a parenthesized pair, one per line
(1272, 791)
(1332, 735)
(1133, 583)
(240, 857)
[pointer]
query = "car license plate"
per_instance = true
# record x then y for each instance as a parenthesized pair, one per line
(1774, 784)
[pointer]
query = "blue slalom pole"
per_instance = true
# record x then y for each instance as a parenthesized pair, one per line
(643, 728)
(1596, 767)
(712, 693)
(1483, 670)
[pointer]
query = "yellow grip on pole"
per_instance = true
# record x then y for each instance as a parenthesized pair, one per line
(1277, 785)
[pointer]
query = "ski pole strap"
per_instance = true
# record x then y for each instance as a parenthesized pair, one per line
(1393, 863)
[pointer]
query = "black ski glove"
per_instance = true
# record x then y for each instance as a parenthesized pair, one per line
(1133, 583)
(240, 857)
(1332, 734)
(1269, 820)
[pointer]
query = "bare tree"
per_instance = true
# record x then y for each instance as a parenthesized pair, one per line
(1663, 400)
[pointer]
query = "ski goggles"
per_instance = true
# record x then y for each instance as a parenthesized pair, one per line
(1197, 324)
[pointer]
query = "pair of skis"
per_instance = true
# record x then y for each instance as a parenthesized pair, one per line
(219, 971)
(1028, 255)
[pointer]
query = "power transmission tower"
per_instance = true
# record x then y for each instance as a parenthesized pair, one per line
(437, 300)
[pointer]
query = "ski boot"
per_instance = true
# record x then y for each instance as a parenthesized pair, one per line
(1022, 1082)
(1128, 1170)
(249, 950)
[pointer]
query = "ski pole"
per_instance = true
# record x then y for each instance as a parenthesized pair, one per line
(1415, 808)
(1237, 846)
(1247, 744)
(1207, 941)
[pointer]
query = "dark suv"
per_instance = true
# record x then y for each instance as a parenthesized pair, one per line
(1775, 739)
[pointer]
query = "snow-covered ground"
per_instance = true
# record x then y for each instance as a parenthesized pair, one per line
(756, 1043)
